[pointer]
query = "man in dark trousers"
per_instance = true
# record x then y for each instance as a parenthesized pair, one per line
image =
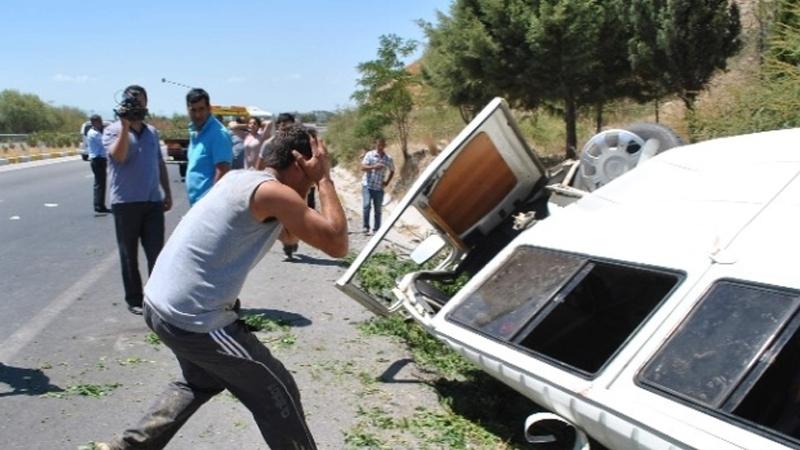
(191, 298)
(137, 168)
(98, 159)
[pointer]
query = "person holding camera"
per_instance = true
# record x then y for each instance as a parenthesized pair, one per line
(210, 146)
(97, 158)
(191, 299)
(136, 168)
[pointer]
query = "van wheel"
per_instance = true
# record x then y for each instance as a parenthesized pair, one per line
(666, 136)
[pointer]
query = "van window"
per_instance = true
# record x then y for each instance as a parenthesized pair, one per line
(573, 310)
(736, 353)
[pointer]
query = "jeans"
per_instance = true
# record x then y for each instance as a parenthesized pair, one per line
(372, 197)
(229, 358)
(134, 221)
(99, 170)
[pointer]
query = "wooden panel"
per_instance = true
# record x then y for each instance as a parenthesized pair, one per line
(474, 184)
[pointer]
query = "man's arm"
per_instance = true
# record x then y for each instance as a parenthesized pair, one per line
(119, 147)
(164, 178)
(222, 152)
(220, 170)
(325, 230)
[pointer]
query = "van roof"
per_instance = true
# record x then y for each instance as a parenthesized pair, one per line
(735, 199)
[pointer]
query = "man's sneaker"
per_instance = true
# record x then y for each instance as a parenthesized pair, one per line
(366, 231)
(135, 310)
(102, 210)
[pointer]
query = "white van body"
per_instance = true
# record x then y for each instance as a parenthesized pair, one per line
(660, 311)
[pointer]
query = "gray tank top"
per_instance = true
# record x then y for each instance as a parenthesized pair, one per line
(201, 270)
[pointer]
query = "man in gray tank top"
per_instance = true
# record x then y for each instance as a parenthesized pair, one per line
(191, 296)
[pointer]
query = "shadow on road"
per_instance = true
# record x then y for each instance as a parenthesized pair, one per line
(24, 381)
(305, 259)
(292, 319)
(390, 374)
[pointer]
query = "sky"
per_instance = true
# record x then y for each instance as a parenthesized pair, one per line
(280, 56)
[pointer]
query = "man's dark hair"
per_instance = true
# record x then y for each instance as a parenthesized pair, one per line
(197, 94)
(95, 118)
(293, 137)
(134, 90)
(284, 117)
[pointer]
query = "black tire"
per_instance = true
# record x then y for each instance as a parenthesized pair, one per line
(666, 136)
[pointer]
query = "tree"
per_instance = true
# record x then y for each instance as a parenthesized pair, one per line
(557, 54)
(678, 45)
(25, 113)
(384, 95)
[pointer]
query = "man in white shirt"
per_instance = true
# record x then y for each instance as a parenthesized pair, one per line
(98, 161)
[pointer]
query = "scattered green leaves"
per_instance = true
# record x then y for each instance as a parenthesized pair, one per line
(153, 339)
(85, 390)
(428, 352)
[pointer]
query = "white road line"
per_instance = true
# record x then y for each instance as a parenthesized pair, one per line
(43, 162)
(28, 331)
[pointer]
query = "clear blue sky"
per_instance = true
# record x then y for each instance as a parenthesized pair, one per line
(279, 55)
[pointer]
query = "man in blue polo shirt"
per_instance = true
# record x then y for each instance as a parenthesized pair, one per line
(210, 146)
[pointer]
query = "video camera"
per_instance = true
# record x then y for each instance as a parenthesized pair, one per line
(130, 107)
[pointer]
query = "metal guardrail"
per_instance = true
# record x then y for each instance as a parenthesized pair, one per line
(9, 137)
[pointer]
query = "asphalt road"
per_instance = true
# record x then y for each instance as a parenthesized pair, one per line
(50, 238)
(76, 367)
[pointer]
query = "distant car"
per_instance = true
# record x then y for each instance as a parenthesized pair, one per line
(653, 308)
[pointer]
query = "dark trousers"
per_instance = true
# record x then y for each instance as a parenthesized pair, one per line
(229, 358)
(99, 170)
(137, 221)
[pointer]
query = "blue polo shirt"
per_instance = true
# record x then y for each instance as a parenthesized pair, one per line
(136, 179)
(207, 148)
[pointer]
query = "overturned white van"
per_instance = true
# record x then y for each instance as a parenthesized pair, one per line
(659, 311)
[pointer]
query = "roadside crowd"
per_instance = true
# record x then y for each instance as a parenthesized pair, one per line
(249, 183)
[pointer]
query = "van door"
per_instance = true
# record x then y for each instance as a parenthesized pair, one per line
(469, 191)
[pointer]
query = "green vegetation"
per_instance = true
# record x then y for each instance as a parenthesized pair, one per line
(765, 97)
(153, 339)
(384, 97)
(85, 390)
(428, 352)
(568, 55)
(262, 323)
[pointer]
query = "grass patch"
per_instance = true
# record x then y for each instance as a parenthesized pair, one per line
(132, 361)
(427, 351)
(260, 323)
(153, 339)
(85, 390)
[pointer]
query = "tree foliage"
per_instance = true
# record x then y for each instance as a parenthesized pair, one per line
(572, 55)
(27, 113)
(557, 54)
(677, 45)
(384, 96)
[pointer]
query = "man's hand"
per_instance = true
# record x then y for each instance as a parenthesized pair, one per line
(319, 166)
(167, 203)
(126, 124)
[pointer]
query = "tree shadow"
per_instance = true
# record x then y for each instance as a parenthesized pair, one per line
(305, 259)
(24, 381)
(292, 319)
